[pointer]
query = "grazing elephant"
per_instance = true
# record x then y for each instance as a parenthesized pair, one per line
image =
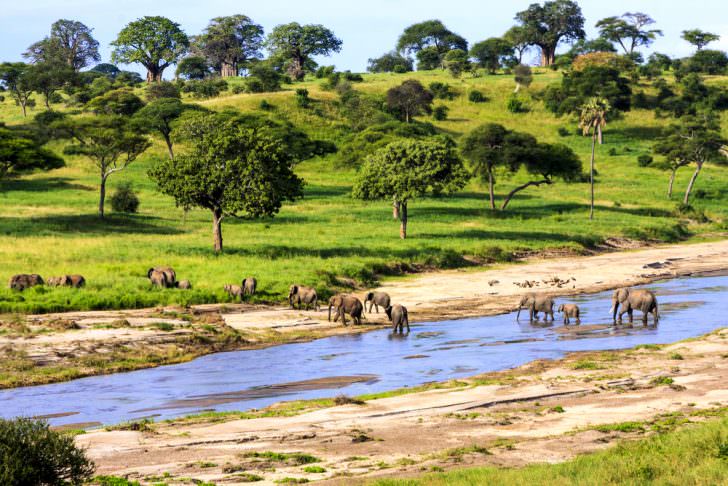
(75, 281)
(249, 285)
(234, 290)
(25, 281)
(168, 276)
(346, 304)
(53, 281)
(376, 299)
(399, 317)
(184, 285)
(570, 310)
(536, 303)
(642, 300)
(301, 295)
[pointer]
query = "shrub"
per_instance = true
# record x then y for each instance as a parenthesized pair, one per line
(325, 71)
(514, 105)
(165, 89)
(33, 454)
(612, 152)
(205, 88)
(563, 132)
(302, 98)
(125, 199)
(476, 96)
(239, 89)
(644, 160)
(266, 106)
(263, 78)
(442, 90)
(440, 113)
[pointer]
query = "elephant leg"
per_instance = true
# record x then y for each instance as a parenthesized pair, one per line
(566, 319)
(630, 313)
(376, 307)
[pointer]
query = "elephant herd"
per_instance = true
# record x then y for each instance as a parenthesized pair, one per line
(624, 301)
(25, 281)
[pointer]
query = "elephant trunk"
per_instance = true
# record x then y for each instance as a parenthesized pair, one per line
(613, 310)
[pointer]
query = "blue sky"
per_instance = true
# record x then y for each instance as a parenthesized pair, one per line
(367, 27)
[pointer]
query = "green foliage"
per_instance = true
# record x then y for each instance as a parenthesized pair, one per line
(193, 67)
(205, 88)
(70, 43)
(442, 91)
(20, 154)
(409, 99)
(230, 43)
(476, 96)
(302, 98)
(456, 62)
(706, 61)
(295, 45)
(578, 86)
(314, 469)
(628, 31)
(391, 62)
(493, 53)
(699, 38)
(361, 144)
(47, 78)
(114, 481)
(116, 102)
(430, 41)
(644, 160)
(263, 78)
(523, 76)
(563, 132)
(164, 89)
(159, 116)
(125, 200)
(33, 455)
(551, 23)
(440, 112)
(516, 105)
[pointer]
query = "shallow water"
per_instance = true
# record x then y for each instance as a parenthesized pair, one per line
(366, 363)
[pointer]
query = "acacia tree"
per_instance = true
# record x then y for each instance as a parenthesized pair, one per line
(296, 44)
(551, 23)
(47, 78)
(629, 31)
(407, 169)
(457, 62)
(518, 37)
(409, 99)
(159, 116)
(430, 41)
(699, 38)
(71, 42)
(13, 78)
(488, 147)
(493, 53)
(391, 62)
(230, 43)
(694, 139)
(109, 142)
(592, 119)
(154, 42)
(20, 154)
(232, 170)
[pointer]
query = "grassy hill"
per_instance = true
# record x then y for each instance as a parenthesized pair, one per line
(48, 221)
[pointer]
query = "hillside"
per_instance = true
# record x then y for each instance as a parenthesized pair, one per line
(48, 223)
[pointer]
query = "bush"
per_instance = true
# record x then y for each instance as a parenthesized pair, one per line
(563, 132)
(514, 105)
(32, 454)
(612, 152)
(325, 71)
(238, 89)
(263, 78)
(442, 91)
(205, 88)
(476, 96)
(440, 113)
(302, 98)
(644, 160)
(266, 106)
(125, 199)
(165, 89)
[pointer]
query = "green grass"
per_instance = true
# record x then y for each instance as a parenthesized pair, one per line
(693, 455)
(48, 223)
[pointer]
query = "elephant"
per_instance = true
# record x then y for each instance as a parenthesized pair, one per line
(302, 295)
(25, 281)
(75, 281)
(249, 284)
(398, 315)
(184, 285)
(570, 310)
(536, 303)
(346, 304)
(376, 299)
(162, 276)
(630, 300)
(234, 290)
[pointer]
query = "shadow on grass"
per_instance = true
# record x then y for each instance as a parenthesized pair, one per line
(43, 184)
(85, 224)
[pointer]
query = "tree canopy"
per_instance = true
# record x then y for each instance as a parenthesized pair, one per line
(430, 41)
(551, 23)
(699, 38)
(230, 43)
(154, 42)
(295, 45)
(70, 42)
(159, 116)
(409, 99)
(20, 154)
(579, 86)
(493, 53)
(14, 79)
(391, 62)
(629, 30)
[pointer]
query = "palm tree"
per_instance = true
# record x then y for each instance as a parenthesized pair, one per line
(593, 118)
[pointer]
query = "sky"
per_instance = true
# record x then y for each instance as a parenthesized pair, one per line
(368, 27)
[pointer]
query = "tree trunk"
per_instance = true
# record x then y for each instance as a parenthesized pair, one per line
(395, 208)
(228, 70)
(548, 55)
(168, 141)
(154, 74)
(600, 134)
(591, 175)
(403, 219)
(692, 183)
(491, 189)
(217, 229)
(25, 113)
(520, 188)
(102, 196)
(672, 181)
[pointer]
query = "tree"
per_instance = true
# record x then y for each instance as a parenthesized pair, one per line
(404, 170)
(699, 38)
(706, 61)
(32, 454)
(111, 144)
(409, 99)
(551, 23)
(493, 53)
(120, 101)
(692, 140)
(629, 31)
(47, 78)
(592, 120)
(391, 62)
(154, 42)
(159, 115)
(193, 67)
(457, 62)
(230, 43)
(20, 154)
(523, 76)
(108, 70)
(70, 42)
(486, 148)
(296, 44)
(577, 87)
(13, 78)
(431, 35)
(518, 37)
(231, 170)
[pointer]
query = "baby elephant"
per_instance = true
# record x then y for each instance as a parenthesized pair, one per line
(570, 310)
(399, 317)
(25, 281)
(234, 291)
(376, 299)
(249, 284)
(184, 285)
(346, 304)
(75, 281)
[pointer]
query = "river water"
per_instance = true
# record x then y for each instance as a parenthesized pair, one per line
(366, 363)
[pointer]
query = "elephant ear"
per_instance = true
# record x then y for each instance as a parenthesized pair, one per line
(149, 273)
